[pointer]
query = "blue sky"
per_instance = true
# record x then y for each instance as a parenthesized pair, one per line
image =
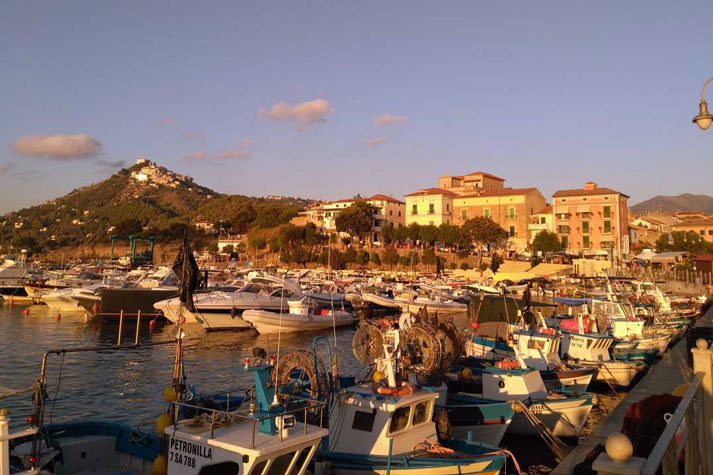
(545, 94)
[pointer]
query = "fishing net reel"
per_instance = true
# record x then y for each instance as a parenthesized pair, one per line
(299, 375)
(368, 343)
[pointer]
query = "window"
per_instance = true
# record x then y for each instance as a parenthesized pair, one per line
(227, 468)
(486, 212)
(585, 242)
(464, 214)
(399, 420)
(710, 232)
(563, 229)
(431, 208)
(585, 227)
(565, 242)
(607, 211)
(543, 220)
(391, 212)
(363, 420)
(280, 464)
(607, 226)
(421, 412)
(448, 207)
(512, 231)
(414, 209)
(703, 233)
(511, 213)
(399, 214)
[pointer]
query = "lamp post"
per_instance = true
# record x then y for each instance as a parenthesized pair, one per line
(704, 118)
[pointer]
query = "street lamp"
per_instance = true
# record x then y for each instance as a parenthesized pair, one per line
(704, 118)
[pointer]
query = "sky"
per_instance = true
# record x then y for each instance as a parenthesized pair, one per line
(330, 99)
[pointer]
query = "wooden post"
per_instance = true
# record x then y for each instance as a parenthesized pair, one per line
(138, 322)
(703, 363)
(121, 324)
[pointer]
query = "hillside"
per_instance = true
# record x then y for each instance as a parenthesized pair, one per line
(145, 198)
(672, 204)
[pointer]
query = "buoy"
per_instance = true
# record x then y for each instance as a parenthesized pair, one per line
(12, 301)
(467, 373)
(169, 394)
(378, 376)
(160, 466)
(26, 312)
(183, 319)
(474, 325)
(152, 324)
(163, 421)
(95, 308)
(680, 390)
(58, 316)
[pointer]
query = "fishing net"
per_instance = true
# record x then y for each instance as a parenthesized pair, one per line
(368, 343)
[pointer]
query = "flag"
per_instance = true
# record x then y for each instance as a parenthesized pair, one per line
(187, 272)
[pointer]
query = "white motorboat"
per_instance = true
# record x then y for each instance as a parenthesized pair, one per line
(301, 317)
(379, 300)
(67, 300)
(432, 305)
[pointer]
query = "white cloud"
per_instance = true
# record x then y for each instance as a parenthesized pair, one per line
(306, 113)
(6, 166)
(376, 141)
(196, 156)
(57, 147)
(389, 119)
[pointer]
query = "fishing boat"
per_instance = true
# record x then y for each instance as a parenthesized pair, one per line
(301, 317)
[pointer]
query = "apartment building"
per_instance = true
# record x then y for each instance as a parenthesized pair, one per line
(592, 220)
(701, 226)
(430, 206)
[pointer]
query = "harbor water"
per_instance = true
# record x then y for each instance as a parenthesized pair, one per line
(127, 386)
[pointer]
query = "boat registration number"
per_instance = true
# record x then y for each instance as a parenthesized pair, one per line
(187, 457)
(538, 409)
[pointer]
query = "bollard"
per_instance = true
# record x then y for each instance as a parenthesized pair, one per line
(617, 458)
(703, 363)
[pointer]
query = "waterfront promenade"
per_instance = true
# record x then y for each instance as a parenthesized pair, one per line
(671, 371)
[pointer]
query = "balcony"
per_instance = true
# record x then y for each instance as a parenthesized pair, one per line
(537, 226)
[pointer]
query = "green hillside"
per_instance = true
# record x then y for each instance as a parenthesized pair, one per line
(142, 199)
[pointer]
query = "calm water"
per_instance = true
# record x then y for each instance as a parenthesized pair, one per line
(126, 386)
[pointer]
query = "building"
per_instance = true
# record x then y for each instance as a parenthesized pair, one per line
(511, 208)
(541, 221)
(430, 206)
(463, 184)
(386, 210)
(592, 220)
(462, 197)
(205, 226)
(650, 223)
(701, 226)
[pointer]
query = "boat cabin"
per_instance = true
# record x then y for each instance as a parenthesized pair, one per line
(365, 423)
(538, 349)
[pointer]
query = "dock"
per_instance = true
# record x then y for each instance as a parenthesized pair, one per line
(672, 371)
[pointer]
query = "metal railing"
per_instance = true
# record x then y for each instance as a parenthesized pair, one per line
(222, 418)
(682, 433)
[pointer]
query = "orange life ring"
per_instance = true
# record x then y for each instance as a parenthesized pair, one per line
(403, 388)
(507, 364)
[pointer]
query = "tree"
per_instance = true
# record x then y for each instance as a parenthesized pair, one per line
(545, 241)
(484, 232)
(428, 234)
(429, 257)
(350, 255)
(362, 258)
(375, 259)
(338, 262)
(388, 233)
(390, 257)
(464, 265)
(357, 219)
(683, 241)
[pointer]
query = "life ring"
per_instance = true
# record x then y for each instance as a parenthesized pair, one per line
(403, 388)
(507, 364)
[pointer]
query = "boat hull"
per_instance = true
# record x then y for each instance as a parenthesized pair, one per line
(271, 323)
(564, 417)
(571, 379)
(619, 373)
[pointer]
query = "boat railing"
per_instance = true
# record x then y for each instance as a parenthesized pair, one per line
(225, 417)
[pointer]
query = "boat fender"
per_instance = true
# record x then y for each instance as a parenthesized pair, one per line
(403, 388)
(507, 364)
(547, 331)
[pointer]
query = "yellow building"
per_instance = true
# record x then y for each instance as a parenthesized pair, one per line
(511, 208)
(701, 226)
(472, 182)
(430, 206)
(543, 220)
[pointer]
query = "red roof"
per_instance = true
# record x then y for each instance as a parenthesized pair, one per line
(546, 210)
(486, 175)
(499, 192)
(704, 257)
(583, 192)
(432, 191)
(385, 198)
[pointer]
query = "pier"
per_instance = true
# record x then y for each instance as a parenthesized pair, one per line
(672, 371)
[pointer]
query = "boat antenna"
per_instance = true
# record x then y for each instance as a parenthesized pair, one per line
(335, 359)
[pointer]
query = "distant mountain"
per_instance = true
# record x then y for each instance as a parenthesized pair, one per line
(672, 204)
(145, 198)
